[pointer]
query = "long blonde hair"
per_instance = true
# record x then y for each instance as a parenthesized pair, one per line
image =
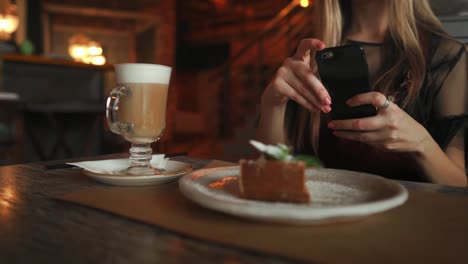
(407, 19)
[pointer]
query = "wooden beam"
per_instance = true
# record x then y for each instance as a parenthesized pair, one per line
(46, 34)
(21, 7)
(98, 12)
(114, 32)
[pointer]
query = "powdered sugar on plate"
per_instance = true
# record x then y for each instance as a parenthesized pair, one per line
(329, 194)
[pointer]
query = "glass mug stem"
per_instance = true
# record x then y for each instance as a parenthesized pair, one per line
(140, 160)
(140, 155)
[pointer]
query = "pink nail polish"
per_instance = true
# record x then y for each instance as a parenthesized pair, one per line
(331, 125)
(327, 109)
(327, 101)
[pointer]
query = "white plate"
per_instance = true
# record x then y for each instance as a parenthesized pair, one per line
(173, 170)
(336, 195)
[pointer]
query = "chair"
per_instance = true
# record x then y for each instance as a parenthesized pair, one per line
(65, 130)
(11, 129)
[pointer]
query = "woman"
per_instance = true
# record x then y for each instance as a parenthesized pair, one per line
(419, 136)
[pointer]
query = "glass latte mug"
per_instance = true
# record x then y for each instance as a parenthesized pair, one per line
(136, 110)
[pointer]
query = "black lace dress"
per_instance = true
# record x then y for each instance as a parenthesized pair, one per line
(441, 107)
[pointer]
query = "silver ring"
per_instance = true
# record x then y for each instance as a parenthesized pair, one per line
(385, 105)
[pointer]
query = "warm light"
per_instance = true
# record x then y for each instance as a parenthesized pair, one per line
(82, 49)
(7, 197)
(8, 22)
(8, 193)
(304, 3)
(78, 47)
(78, 52)
(98, 60)
(94, 48)
(86, 60)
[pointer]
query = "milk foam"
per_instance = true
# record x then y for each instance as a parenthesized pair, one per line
(142, 73)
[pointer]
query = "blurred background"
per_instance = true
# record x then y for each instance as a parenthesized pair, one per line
(56, 70)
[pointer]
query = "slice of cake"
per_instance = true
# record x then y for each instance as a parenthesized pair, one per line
(271, 180)
(275, 176)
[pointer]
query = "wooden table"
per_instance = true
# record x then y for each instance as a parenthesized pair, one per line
(37, 229)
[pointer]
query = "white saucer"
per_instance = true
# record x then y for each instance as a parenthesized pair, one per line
(336, 196)
(173, 170)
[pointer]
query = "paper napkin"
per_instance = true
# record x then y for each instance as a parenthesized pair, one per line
(114, 165)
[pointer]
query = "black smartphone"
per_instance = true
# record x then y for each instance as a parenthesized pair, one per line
(344, 72)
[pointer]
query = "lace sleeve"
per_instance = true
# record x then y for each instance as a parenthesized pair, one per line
(450, 114)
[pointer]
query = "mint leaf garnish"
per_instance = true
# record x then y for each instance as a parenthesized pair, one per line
(282, 152)
(310, 161)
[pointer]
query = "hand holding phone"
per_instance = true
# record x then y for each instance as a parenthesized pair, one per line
(344, 73)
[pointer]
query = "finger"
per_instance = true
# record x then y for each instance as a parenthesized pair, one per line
(305, 46)
(285, 73)
(291, 93)
(318, 88)
(301, 88)
(361, 124)
(307, 77)
(301, 79)
(370, 137)
(374, 98)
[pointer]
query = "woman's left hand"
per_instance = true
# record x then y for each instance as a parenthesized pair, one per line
(392, 129)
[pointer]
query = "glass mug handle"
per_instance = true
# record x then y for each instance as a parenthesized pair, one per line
(112, 108)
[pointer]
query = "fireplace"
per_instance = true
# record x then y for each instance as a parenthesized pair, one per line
(125, 36)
